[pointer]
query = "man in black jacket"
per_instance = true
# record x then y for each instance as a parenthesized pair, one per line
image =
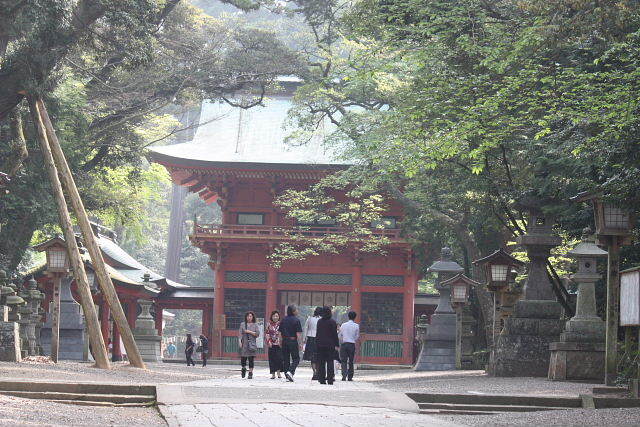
(327, 345)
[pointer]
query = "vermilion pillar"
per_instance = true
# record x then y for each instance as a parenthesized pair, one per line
(272, 293)
(218, 310)
(407, 319)
(356, 290)
(104, 322)
(117, 350)
(158, 319)
(132, 312)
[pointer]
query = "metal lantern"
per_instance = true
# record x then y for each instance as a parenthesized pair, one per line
(460, 288)
(57, 258)
(499, 267)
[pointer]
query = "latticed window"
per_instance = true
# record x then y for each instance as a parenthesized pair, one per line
(315, 278)
(238, 301)
(382, 280)
(246, 276)
(382, 313)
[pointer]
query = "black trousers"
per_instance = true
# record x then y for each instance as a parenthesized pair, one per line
(243, 361)
(290, 354)
(275, 359)
(325, 364)
(204, 358)
(347, 355)
(189, 356)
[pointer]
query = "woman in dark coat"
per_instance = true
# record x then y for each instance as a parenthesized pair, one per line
(188, 350)
(327, 345)
(204, 347)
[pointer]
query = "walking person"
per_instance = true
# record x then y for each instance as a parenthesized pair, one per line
(247, 335)
(309, 334)
(274, 343)
(291, 332)
(204, 348)
(349, 335)
(328, 345)
(190, 345)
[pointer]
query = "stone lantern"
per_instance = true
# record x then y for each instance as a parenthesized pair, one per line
(438, 350)
(579, 355)
(9, 329)
(4, 292)
(522, 348)
(146, 334)
(35, 298)
(460, 286)
(613, 230)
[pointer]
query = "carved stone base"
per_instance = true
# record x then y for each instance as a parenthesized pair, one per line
(577, 361)
(522, 349)
(149, 347)
(439, 350)
(10, 342)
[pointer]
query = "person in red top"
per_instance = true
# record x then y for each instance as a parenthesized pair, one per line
(274, 342)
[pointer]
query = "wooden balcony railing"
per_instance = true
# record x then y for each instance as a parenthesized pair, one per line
(277, 232)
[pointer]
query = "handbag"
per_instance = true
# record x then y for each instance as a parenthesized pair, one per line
(199, 349)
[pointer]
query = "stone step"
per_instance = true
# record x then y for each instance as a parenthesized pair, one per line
(610, 390)
(485, 408)
(106, 404)
(489, 399)
(83, 397)
(615, 402)
(85, 388)
(455, 412)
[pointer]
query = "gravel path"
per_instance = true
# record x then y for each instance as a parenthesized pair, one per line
(574, 417)
(156, 373)
(15, 411)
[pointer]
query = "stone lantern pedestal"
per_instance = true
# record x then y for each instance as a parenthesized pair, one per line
(146, 334)
(71, 326)
(580, 352)
(522, 348)
(439, 349)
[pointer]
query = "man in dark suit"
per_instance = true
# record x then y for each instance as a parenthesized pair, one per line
(327, 345)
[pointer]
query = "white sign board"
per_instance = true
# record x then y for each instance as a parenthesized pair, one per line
(630, 298)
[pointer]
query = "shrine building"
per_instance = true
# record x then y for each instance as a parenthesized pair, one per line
(242, 163)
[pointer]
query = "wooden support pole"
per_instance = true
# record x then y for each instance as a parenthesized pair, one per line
(459, 308)
(613, 295)
(95, 335)
(55, 318)
(108, 290)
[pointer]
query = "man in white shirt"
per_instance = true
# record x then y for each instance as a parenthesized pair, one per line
(349, 335)
(309, 334)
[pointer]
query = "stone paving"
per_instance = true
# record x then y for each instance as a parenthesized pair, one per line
(264, 402)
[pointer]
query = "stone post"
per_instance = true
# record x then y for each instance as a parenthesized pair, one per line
(439, 349)
(522, 348)
(9, 329)
(146, 334)
(580, 353)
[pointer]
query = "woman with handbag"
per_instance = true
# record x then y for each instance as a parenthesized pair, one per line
(247, 334)
(274, 342)
(188, 350)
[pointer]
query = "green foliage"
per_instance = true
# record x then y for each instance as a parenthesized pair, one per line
(333, 200)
